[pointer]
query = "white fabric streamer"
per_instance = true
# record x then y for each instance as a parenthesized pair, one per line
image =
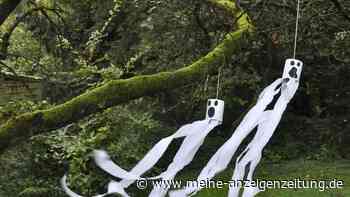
(112, 189)
(183, 157)
(65, 188)
(103, 160)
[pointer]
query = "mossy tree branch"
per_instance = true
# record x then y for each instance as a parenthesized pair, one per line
(120, 91)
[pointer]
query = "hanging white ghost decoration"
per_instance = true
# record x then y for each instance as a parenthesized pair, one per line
(265, 115)
(194, 134)
(252, 155)
(189, 148)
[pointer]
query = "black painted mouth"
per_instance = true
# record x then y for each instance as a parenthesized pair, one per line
(293, 73)
(211, 112)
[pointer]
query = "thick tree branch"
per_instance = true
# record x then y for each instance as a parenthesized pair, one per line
(120, 91)
(6, 8)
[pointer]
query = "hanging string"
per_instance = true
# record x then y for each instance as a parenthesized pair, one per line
(219, 76)
(218, 84)
(296, 30)
(206, 84)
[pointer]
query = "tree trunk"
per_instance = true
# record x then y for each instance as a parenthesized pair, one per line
(6, 8)
(120, 91)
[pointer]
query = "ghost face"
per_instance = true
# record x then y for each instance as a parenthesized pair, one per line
(291, 77)
(292, 70)
(215, 109)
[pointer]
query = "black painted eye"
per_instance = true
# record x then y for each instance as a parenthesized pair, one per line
(298, 64)
(211, 112)
(209, 103)
(216, 103)
(292, 63)
(293, 73)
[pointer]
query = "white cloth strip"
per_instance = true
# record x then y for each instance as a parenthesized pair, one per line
(183, 157)
(112, 189)
(65, 188)
(103, 160)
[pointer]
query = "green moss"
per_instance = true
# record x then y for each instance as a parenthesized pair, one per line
(228, 5)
